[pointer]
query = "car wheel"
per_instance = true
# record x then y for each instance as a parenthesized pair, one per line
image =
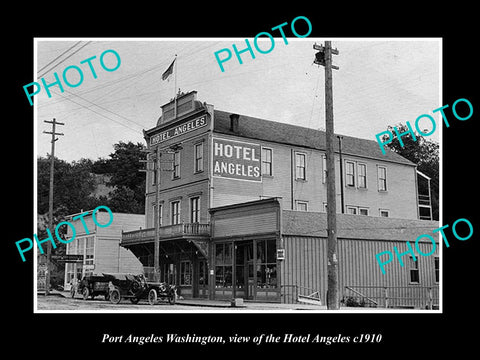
(152, 297)
(115, 296)
(85, 293)
(172, 298)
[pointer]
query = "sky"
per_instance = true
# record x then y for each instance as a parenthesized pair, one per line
(380, 82)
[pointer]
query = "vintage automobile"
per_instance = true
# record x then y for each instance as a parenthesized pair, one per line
(136, 287)
(91, 286)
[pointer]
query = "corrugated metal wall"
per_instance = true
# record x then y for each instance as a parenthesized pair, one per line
(304, 270)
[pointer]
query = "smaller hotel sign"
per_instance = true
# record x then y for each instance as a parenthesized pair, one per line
(179, 130)
(236, 160)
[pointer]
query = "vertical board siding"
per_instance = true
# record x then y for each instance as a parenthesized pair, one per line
(246, 224)
(305, 266)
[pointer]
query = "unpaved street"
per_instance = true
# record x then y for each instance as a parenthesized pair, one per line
(58, 302)
(63, 303)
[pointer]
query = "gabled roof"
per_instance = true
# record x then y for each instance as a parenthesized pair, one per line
(303, 223)
(260, 129)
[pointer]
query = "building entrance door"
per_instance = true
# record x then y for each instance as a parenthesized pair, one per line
(202, 278)
(244, 274)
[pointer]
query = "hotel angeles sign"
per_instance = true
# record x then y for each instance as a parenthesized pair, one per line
(178, 130)
(236, 160)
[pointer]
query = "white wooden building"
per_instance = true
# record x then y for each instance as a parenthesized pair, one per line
(100, 246)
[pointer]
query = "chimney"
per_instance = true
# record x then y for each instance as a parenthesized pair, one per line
(234, 122)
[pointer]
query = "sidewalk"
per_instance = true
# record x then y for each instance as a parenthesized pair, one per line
(249, 305)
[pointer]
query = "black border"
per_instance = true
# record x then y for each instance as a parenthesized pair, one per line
(402, 333)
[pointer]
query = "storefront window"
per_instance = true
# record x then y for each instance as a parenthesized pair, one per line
(185, 273)
(203, 273)
(79, 271)
(266, 264)
(223, 265)
(168, 273)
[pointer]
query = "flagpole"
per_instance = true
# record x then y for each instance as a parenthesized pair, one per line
(175, 89)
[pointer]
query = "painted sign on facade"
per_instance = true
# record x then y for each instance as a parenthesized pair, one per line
(181, 129)
(236, 160)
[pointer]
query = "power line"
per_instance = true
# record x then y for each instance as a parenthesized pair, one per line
(59, 56)
(88, 42)
(110, 83)
(111, 112)
(96, 112)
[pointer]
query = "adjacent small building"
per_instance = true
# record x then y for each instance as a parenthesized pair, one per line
(100, 246)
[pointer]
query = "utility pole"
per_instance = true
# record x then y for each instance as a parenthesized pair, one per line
(155, 161)
(156, 156)
(324, 57)
(156, 217)
(50, 200)
(342, 197)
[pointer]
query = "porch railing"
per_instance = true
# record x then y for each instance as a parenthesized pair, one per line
(170, 231)
(414, 297)
(292, 294)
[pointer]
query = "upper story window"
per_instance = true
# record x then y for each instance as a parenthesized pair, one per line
(324, 169)
(300, 166)
(363, 211)
(176, 164)
(175, 212)
(152, 166)
(160, 213)
(362, 176)
(301, 205)
(350, 173)
(89, 250)
(357, 210)
(83, 246)
(382, 178)
(267, 161)
(351, 210)
(198, 167)
(195, 209)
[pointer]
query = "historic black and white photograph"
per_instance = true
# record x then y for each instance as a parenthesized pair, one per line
(277, 173)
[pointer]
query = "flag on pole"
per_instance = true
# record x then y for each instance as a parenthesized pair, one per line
(168, 72)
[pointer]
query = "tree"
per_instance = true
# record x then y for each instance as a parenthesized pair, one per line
(128, 182)
(73, 184)
(425, 154)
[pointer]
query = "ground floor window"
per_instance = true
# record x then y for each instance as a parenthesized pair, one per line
(266, 264)
(223, 265)
(70, 273)
(185, 273)
(75, 272)
(202, 273)
(168, 273)
(246, 269)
